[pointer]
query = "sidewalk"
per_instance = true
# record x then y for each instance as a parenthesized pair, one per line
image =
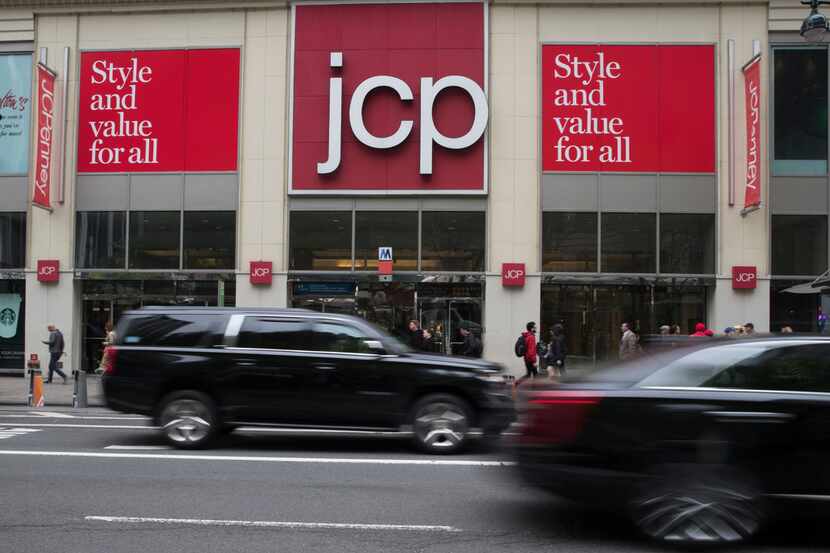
(14, 390)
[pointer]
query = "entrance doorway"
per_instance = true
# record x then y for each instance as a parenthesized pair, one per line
(593, 314)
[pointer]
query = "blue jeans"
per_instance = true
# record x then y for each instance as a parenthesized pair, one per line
(53, 366)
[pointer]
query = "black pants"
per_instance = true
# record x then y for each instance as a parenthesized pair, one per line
(530, 372)
(53, 366)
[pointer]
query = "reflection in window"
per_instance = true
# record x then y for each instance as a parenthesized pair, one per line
(273, 334)
(687, 243)
(100, 239)
(12, 240)
(154, 239)
(209, 239)
(799, 244)
(320, 240)
(569, 242)
(682, 306)
(339, 338)
(628, 242)
(800, 142)
(452, 241)
(375, 229)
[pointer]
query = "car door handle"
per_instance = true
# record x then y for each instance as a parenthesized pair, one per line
(750, 416)
(325, 367)
(246, 363)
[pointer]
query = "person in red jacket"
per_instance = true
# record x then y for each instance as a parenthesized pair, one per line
(530, 358)
(700, 330)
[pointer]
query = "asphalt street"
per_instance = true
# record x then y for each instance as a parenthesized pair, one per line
(96, 481)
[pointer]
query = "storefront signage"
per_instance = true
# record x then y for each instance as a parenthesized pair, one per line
(389, 98)
(752, 89)
(15, 112)
(744, 277)
(48, 270)
(513, 274)
(324, 288)
(45, 129)
(158, 110)
(385, 260)
(12, 314)
(628, 108)
(261, 272)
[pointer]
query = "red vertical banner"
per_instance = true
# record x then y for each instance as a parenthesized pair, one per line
(752, 89)
(45, 128)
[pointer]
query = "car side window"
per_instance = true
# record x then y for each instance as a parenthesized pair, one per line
(270, 333)
(340, 338)
(172, 330)
(798, 368)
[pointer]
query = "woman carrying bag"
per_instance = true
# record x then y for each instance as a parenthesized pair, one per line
(557, 351)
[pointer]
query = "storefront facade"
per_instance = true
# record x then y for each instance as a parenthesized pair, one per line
(521, 162)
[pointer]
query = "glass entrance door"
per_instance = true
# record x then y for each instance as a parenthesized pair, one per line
(443, 319)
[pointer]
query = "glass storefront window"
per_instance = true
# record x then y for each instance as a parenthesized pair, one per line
(799, 244)
(100, 239)
(154, 239)
(397, 229)
(320, 241)
(629, 243)
(452, 241)
(569, 242)
(687, 243)
(798, 311)
(209, 239)
(12, 324)
(800, 111)
(12, 240)
(680, 306)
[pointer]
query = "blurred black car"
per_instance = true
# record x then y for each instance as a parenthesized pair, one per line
(201, 371)
(696, 444)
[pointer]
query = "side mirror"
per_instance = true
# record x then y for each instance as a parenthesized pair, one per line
(375, 346)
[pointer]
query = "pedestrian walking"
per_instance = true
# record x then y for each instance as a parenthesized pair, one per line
(418, 337)
(109, 340)
(472, 345)
(56, 346)
(629, 343)
(821, 320)
(665, 330)
(749, 329)
(702, 331)
(526, 349)
(556, 352)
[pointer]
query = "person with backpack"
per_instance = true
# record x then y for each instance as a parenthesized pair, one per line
(472, 345)
(556, 352)
(526, 348)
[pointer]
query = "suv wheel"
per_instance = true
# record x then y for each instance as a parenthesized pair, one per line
(687, 507)
(187, 419)
(440, 423)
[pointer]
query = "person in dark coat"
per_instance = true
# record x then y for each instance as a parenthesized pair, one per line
(56, 346)
(472, 345)
(557, 351)
(418, 337)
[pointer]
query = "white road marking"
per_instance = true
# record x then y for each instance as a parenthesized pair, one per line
(51, 414)
(6, 433)
(262, 459)
(77, 417)
(276, 524)
(137, 447)
(104, 426)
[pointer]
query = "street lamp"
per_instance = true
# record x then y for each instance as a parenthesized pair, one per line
(815, 25)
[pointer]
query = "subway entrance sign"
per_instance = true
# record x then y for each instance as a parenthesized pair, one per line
(385, 260)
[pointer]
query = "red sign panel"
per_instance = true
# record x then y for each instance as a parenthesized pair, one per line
(158, 110)
(513, 274)
(744, 277)
(752, 89)
(369, 110)
(261, 272)
(45, 128)
(48, 270)
(628, 108)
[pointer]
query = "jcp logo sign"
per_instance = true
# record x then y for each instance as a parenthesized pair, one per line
(48, 270)
(744, 277)
(513, 274)
(261, 272)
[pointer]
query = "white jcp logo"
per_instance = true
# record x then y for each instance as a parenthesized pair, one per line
(48, 270)
(745, 277)
(261, 271)
(513, 274)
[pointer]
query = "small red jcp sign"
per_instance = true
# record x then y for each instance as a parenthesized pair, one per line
(48, 270)
(513, 274)
(744, 277)
(261, 272)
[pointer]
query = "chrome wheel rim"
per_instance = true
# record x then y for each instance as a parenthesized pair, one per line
(707, 514)
(186, 421)
(441, 425)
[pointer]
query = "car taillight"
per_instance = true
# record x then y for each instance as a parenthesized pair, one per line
(557, 417)
(108, 361)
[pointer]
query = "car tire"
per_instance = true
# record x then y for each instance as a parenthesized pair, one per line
(441, 423)
(188, 419)
(692, 506)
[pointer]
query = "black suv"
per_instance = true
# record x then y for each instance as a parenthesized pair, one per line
(202, 371)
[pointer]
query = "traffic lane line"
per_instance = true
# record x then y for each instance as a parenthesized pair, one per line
(75, 417)
(274, 524)
(261, 458)
(138, 447)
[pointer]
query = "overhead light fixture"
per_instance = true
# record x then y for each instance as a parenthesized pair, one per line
(814, 28)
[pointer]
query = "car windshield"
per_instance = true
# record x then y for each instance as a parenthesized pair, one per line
(700, 366)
